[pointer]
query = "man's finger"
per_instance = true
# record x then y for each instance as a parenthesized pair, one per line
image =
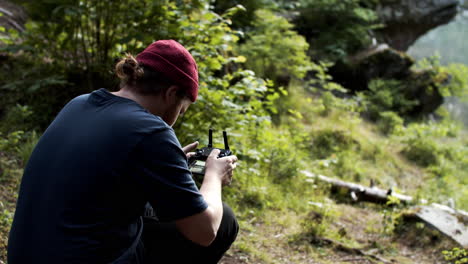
(190, 147)
(234, 158)
(215, 153)
(190, 154)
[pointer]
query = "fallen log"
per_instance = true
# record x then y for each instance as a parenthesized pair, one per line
(359, 192)
(450, 222)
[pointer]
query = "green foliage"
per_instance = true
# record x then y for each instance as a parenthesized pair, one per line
(317, 224)
(329, 141)
(93, 32)
(279, 155)
(390, 123)
(423, 148)
(458, 85)
(79, 62)
(10, 143)
(9, 149)
(456, 255)
(15, 149)
(440, 148)
(386, 95)
(26, 147)
(391, 215)
(336, 28)
(8, 36)
(422, 151)
(243, 19)
(6, 217)
(229, 98)
(274, 51)
(17, 118)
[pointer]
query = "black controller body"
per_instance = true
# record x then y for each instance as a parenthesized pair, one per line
(197, 161)
(203, 153)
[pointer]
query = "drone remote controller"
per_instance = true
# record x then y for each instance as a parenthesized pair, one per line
(197, 161)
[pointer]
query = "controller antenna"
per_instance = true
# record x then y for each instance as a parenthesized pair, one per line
(226, 145)
(210, 138)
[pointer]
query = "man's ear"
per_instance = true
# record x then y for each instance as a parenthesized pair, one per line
(171, 93)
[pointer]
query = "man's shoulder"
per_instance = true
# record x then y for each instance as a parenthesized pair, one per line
(142, 119)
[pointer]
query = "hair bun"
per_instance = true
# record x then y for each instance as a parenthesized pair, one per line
(128, 69)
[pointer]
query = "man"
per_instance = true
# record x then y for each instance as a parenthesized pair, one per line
(105, 156)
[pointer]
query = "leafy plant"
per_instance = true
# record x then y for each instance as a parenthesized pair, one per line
(90, 33)
(274, 50)
(328, 141)
(229, 97)
(458, 85)
(17, 118)
(391, 216)
(387, 95)
(336, 28)
(390, 123)
(456, 255)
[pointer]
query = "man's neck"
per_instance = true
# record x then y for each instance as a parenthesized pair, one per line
(149, 102)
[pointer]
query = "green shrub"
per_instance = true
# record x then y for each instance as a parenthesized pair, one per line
(254, 198)
(318, 222)
(349, 166)
(26, 148)
(280, 155)
(274, 51)
(456, 255)
(336, 28)
(15, 149)
(387, 95)
(329, 141)
(422, 151)
(10, 165)
(16, 118)
(390, 123)
(428, 144)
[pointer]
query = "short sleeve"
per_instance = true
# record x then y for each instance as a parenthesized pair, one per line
(162, 171)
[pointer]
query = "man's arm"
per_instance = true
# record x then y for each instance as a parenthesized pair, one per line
(201, 228)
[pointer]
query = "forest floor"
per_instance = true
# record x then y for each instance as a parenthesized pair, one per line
(360, 225)
(8, 195)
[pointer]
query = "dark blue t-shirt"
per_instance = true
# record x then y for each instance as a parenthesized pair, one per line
(86, 184)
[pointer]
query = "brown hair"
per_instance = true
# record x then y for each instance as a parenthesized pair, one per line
(141, 78)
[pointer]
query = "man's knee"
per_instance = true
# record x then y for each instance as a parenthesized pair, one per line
(226, 235)
(229, 223)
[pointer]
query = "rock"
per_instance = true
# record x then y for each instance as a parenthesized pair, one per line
(377, 62)
(423, 87)
(446, 221)
(406, 20)
(382, 62)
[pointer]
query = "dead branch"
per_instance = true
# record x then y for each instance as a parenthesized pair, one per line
(359, 192)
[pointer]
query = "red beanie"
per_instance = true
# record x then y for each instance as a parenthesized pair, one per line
(172, 60)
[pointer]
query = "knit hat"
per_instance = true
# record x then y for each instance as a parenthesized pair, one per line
(172, 60)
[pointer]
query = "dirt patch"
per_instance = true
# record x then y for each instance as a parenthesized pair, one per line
(361, 227)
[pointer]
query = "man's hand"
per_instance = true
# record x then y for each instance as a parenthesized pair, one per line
(222, 167)
(189, 148)
(202, 228)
